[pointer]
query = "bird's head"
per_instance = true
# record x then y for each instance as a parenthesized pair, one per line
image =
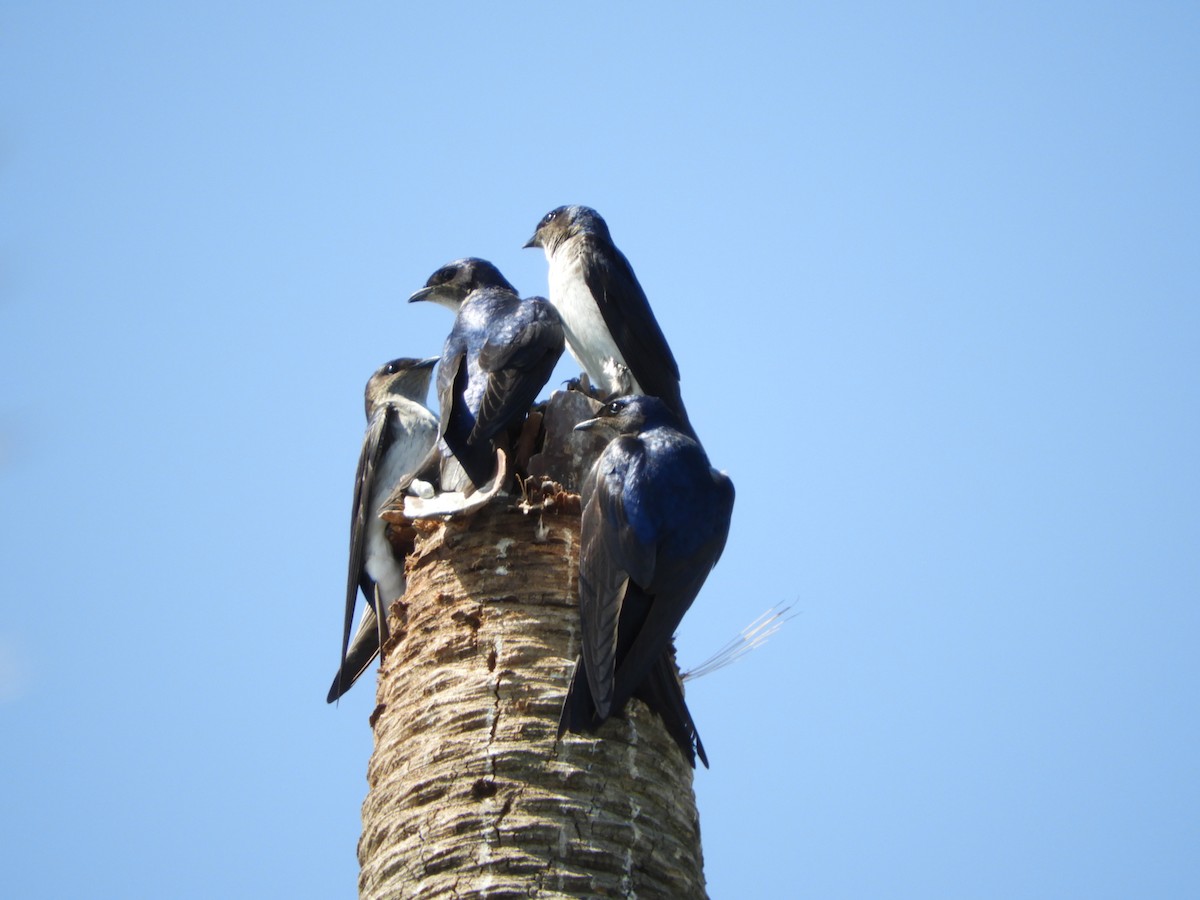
(630, 415)
(402, 377)
(562, 224)
(450, 285)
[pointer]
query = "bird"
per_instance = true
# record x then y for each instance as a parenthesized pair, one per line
(400, 432)
(611, 330)
(499, 354)
(655, 520)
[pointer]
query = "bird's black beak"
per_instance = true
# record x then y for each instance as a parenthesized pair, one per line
(588, 424)
(427, 363)
(425, 293)
(534, 241)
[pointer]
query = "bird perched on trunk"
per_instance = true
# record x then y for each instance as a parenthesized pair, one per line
(400, 433)
(655, 519)
(610, 328)
(497, 357)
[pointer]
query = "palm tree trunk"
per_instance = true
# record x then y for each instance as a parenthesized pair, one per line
(470, 792)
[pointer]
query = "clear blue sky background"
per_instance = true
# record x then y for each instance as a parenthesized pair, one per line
(933, 280)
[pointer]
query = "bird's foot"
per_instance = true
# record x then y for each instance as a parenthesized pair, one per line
(582, 385)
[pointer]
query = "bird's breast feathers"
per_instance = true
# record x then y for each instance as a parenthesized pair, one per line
(587, 334)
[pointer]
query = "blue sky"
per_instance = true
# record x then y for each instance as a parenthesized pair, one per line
(931, 276)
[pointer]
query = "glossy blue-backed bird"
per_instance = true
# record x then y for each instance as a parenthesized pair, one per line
(655, 520)
(499, 354)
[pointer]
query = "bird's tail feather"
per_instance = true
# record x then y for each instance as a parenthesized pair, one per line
(662, 691)
(363, 650)
(579, 709)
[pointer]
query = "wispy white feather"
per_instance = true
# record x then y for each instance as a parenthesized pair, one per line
(750, 638)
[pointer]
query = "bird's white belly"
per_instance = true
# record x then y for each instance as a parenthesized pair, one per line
(381, 564)
(410, 448)
(587, 334)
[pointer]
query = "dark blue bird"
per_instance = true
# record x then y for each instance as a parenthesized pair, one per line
(610, 328)
(499, 354)
(655, 519)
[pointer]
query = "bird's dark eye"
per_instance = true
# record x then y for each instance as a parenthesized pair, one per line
(549, 217)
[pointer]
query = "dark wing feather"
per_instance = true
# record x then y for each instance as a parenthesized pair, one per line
(670, 594)
(672, 589)
(452, 376)
(519, 357)
(457, 424)
(631, 322)
(374, 444)
(363, 649)
(610, 554)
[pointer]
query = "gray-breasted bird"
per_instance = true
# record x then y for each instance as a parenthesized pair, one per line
(610, 328)
(499, 354)
(655, 519)
(400, 432)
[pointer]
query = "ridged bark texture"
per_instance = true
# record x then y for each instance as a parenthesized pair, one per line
(470, 792)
